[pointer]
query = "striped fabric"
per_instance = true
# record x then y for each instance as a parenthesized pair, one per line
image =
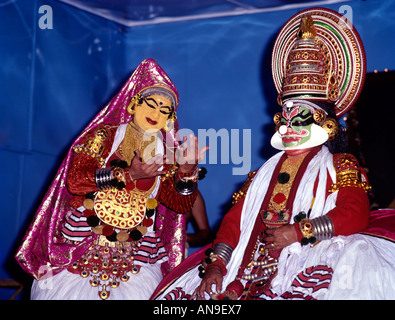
(150, 249)
(76, 228)
(305, 285)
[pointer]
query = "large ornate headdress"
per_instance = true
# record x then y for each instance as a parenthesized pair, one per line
(318, 56)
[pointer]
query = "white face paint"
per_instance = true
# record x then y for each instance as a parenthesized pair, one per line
(298, 130)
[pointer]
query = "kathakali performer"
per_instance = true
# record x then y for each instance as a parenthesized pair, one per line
(113, 220)
(300, 227)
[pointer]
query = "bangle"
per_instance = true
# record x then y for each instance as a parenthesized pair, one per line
(223, 250)
(212, 259)
(110, 177)
(317, 229)
(183, 186)
(323, 227)
(103, 178)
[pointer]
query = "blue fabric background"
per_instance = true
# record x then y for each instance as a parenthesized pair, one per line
(53, 81)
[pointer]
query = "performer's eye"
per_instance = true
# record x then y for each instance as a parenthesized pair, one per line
(165, 110)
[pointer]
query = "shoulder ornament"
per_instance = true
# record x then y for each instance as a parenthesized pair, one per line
(243, 190)
(94, 146)
(348, 173)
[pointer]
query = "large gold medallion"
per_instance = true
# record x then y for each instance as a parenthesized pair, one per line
(123, 209)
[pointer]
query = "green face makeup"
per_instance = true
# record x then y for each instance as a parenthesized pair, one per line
(298, 122)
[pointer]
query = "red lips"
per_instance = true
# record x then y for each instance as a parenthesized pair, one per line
(151, 122)
(289, 139)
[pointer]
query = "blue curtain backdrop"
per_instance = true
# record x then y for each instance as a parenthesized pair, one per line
(53, 82)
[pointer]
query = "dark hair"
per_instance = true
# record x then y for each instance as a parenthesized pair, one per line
(340, 143)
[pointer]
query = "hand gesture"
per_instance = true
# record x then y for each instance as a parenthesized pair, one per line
(281, 237)
(188, 156)
(149, 169)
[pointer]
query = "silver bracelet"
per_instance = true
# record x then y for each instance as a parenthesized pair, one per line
(103, 177)
(323, 228)
(223, 250)
(184, 188)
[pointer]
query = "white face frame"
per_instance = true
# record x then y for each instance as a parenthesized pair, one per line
(290, 136)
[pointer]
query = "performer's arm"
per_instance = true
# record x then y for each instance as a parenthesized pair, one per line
(81, 177)
(229, 231)
(351, 213)
(172, 199)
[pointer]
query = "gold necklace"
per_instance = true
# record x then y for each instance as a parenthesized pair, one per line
(136, 140)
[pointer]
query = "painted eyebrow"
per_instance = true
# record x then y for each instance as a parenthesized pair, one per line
(152, 99)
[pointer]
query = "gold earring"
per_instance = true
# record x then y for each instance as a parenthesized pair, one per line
(277, 120)
(331, 126)
(130, 108)
(170, 123)
(132, 105)
(319, 116)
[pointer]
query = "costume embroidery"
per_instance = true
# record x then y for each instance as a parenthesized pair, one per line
(136, 140)
(348, 173)
(94, 146)
(276, 213)
(243, 190)
(107, 263)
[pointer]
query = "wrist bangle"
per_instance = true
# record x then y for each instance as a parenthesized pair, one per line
(103, 178)
(317, 229)
(323, 227)
(224, 251)
(183, 187)
(213, 259)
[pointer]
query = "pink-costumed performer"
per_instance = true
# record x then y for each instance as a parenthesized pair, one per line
(113, 220)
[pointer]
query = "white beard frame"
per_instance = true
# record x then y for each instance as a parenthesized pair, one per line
(318, 136)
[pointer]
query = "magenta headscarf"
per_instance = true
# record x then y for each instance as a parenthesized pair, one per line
(43, 250)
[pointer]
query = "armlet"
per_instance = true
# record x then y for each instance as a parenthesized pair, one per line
(243, 190)
(348, 173)
(94, 146)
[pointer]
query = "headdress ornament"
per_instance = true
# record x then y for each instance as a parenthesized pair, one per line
(318, 56)
(149, 78)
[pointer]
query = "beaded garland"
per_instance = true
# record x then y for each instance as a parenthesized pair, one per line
(259, 272)
(107, 265)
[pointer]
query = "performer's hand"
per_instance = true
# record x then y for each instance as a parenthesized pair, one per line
(281, 237)
(188, 156)
(212, 276)
(149, 169)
